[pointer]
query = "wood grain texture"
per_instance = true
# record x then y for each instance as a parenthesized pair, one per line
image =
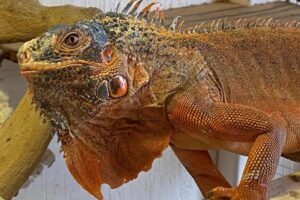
(22, 20)
(5, 109)
(286, 188)
(194, 15)
(24, 130)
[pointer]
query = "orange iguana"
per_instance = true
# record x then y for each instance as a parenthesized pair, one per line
(119, 89)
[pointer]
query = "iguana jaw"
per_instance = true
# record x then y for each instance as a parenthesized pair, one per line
(44, 66)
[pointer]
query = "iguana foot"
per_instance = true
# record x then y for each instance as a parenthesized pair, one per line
(221, 193)
(239, 193)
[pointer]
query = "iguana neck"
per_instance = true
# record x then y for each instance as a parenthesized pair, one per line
(176, 62)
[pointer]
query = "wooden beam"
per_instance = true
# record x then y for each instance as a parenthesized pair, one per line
(9, 51)
(24, 139)
(22, 20)
(286, 187)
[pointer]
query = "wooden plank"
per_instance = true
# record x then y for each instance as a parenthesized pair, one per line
(203, 9)
(23, 131)
(9, 51)
(22, 20)
(291, 17)
(194, 15)
(286, 187)
(216, 10)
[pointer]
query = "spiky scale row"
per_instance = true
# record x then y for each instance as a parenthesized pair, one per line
(132, 7)
(128, 6)
(144, 14)
(174, 24)
(223, 25)
(204, 27)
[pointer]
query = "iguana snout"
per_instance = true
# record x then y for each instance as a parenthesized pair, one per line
(63, 45)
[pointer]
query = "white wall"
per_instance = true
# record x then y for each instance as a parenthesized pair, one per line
(107, 5)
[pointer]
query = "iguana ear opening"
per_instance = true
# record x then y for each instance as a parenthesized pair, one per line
(138, 75)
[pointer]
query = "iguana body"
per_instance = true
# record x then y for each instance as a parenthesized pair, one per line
(119, 90)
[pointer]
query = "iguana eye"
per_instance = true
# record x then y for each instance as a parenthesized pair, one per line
(71, 42)
(107, 54)
(72, 39)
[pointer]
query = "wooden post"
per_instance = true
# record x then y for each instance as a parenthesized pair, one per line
(286, 187)
(22, 20)
(23, 140)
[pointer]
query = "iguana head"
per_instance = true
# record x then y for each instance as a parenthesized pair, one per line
(85, 78)
(89, 63)
(82, 58)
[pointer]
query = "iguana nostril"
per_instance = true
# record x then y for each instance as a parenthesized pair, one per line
(25, 56)
(118, 86)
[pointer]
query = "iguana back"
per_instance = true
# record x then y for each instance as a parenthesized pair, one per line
(258, 67)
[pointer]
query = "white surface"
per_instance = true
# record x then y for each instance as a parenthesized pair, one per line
(107, 5)
(228, 164)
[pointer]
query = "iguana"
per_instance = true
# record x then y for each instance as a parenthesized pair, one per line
(119, 89)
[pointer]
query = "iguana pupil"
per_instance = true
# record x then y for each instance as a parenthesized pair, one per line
(72, 39)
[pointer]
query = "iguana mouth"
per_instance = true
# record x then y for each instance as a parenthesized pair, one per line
(44, 66)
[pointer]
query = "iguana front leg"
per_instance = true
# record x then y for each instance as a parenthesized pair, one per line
(201, 167)
(195, 113)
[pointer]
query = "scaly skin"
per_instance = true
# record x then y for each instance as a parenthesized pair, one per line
(119, 90)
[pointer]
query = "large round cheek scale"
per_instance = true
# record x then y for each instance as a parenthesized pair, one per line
(118, 87)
